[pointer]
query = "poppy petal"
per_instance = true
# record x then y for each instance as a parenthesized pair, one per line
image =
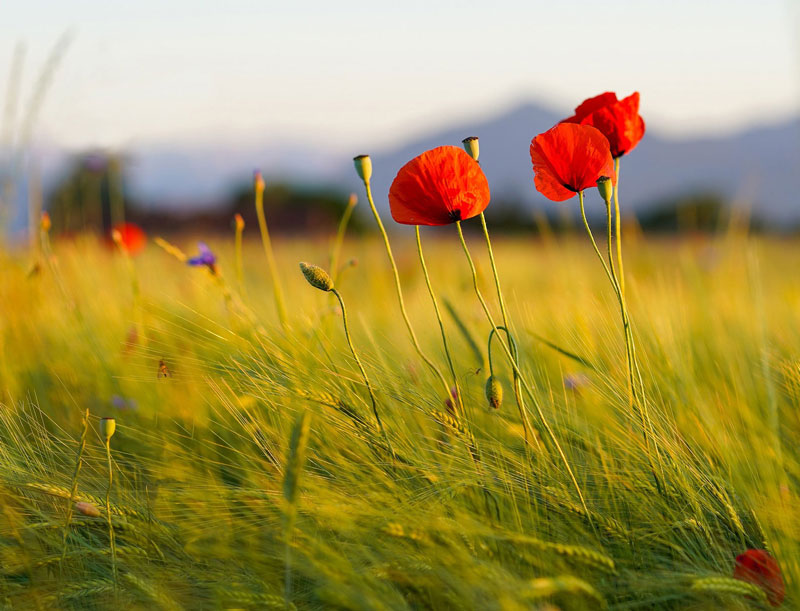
(589, 106)
(439, 187)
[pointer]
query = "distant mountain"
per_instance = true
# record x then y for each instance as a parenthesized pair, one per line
(759, 167)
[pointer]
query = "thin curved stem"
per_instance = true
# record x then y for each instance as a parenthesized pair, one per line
(525, 386)
(111, 539)
(618, 227)
(399, 290)
(337, 244)
(74, 487)
(517, 388)
(363, 371)
(458, 401)
(273, 267)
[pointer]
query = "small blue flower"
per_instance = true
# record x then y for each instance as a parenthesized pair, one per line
(206, 257)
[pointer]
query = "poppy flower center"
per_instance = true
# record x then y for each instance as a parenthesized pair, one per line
(455, 215)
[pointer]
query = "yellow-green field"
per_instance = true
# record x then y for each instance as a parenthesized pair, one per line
(215, 503)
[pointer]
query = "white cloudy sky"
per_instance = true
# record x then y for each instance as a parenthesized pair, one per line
(350, 74)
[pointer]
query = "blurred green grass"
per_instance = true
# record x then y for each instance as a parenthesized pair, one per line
(198, 501)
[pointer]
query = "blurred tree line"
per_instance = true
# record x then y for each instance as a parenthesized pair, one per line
(91, 197)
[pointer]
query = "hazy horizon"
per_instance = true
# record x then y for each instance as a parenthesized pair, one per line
(372, 75)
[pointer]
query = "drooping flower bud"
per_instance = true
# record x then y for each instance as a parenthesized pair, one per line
(363, 167)
(316, 276)
(45, 222)
(239, 221)
(107, 428)
(472, 147)
(494, 392)
(605, 188)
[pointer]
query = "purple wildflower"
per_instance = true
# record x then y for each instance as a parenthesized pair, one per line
(206, 257)
(576, 381)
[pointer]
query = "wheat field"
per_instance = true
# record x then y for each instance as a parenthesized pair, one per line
(249, 473)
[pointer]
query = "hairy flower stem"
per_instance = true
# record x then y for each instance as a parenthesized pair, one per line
(618, 227)
(517, 388)
(636, 397)
(363, 371)
(337, 244)
(555, 445)
(73, 489)
(112, 542)
(458, 403)
(399, 289)
(239, 265)
(273, 268)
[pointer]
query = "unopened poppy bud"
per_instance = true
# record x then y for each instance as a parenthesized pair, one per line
(605, 188)
(494, 392)
(317, 277)
(258, 181)
(87, 509)
(472, 147)
(107, 428)
(45, 222)
(239, 221)
(352, 201)
(363, 167)
(116, 235)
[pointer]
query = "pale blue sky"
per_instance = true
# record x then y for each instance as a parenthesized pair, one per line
(355, 74)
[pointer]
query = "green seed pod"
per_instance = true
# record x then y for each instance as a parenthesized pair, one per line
(107, 428)
(494, 392)
(363, 167)
(317, 277)
(605, 188)
(472, 147)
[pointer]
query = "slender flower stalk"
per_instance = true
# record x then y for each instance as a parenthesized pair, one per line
(73, 489)
(265, 239)
(553, 439)
(337, 243)
(107, 428)
(618, 227)
(459, 406)
(635, 384)
(364, 168)
(239, 227)
(320, 279)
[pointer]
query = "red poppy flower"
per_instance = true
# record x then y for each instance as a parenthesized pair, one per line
(758, 567)
(569, 158)
(619, 120)
(131, 237)
(441, 186)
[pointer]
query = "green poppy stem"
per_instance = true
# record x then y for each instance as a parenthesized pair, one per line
(458, 401)
(399, 290)
(618, 227)
(516, 383)
(74, 487)
(111, 540)
(635, 398)
(363, 371)
(337, 244)
(525, 386)
(273, 267)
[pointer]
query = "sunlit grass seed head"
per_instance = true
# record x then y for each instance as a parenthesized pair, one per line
(258, 181)
(87, 509)
(363, 167)
(605, 188)
(316, 276)
(494, 392)
(107, 428)
(472, 146)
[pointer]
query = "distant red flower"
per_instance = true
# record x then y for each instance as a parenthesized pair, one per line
(758, 567)
(131, 236)
(569, 158)
(441, 186)
(618, 120)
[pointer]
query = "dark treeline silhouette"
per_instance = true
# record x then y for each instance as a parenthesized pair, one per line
(91, 198)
